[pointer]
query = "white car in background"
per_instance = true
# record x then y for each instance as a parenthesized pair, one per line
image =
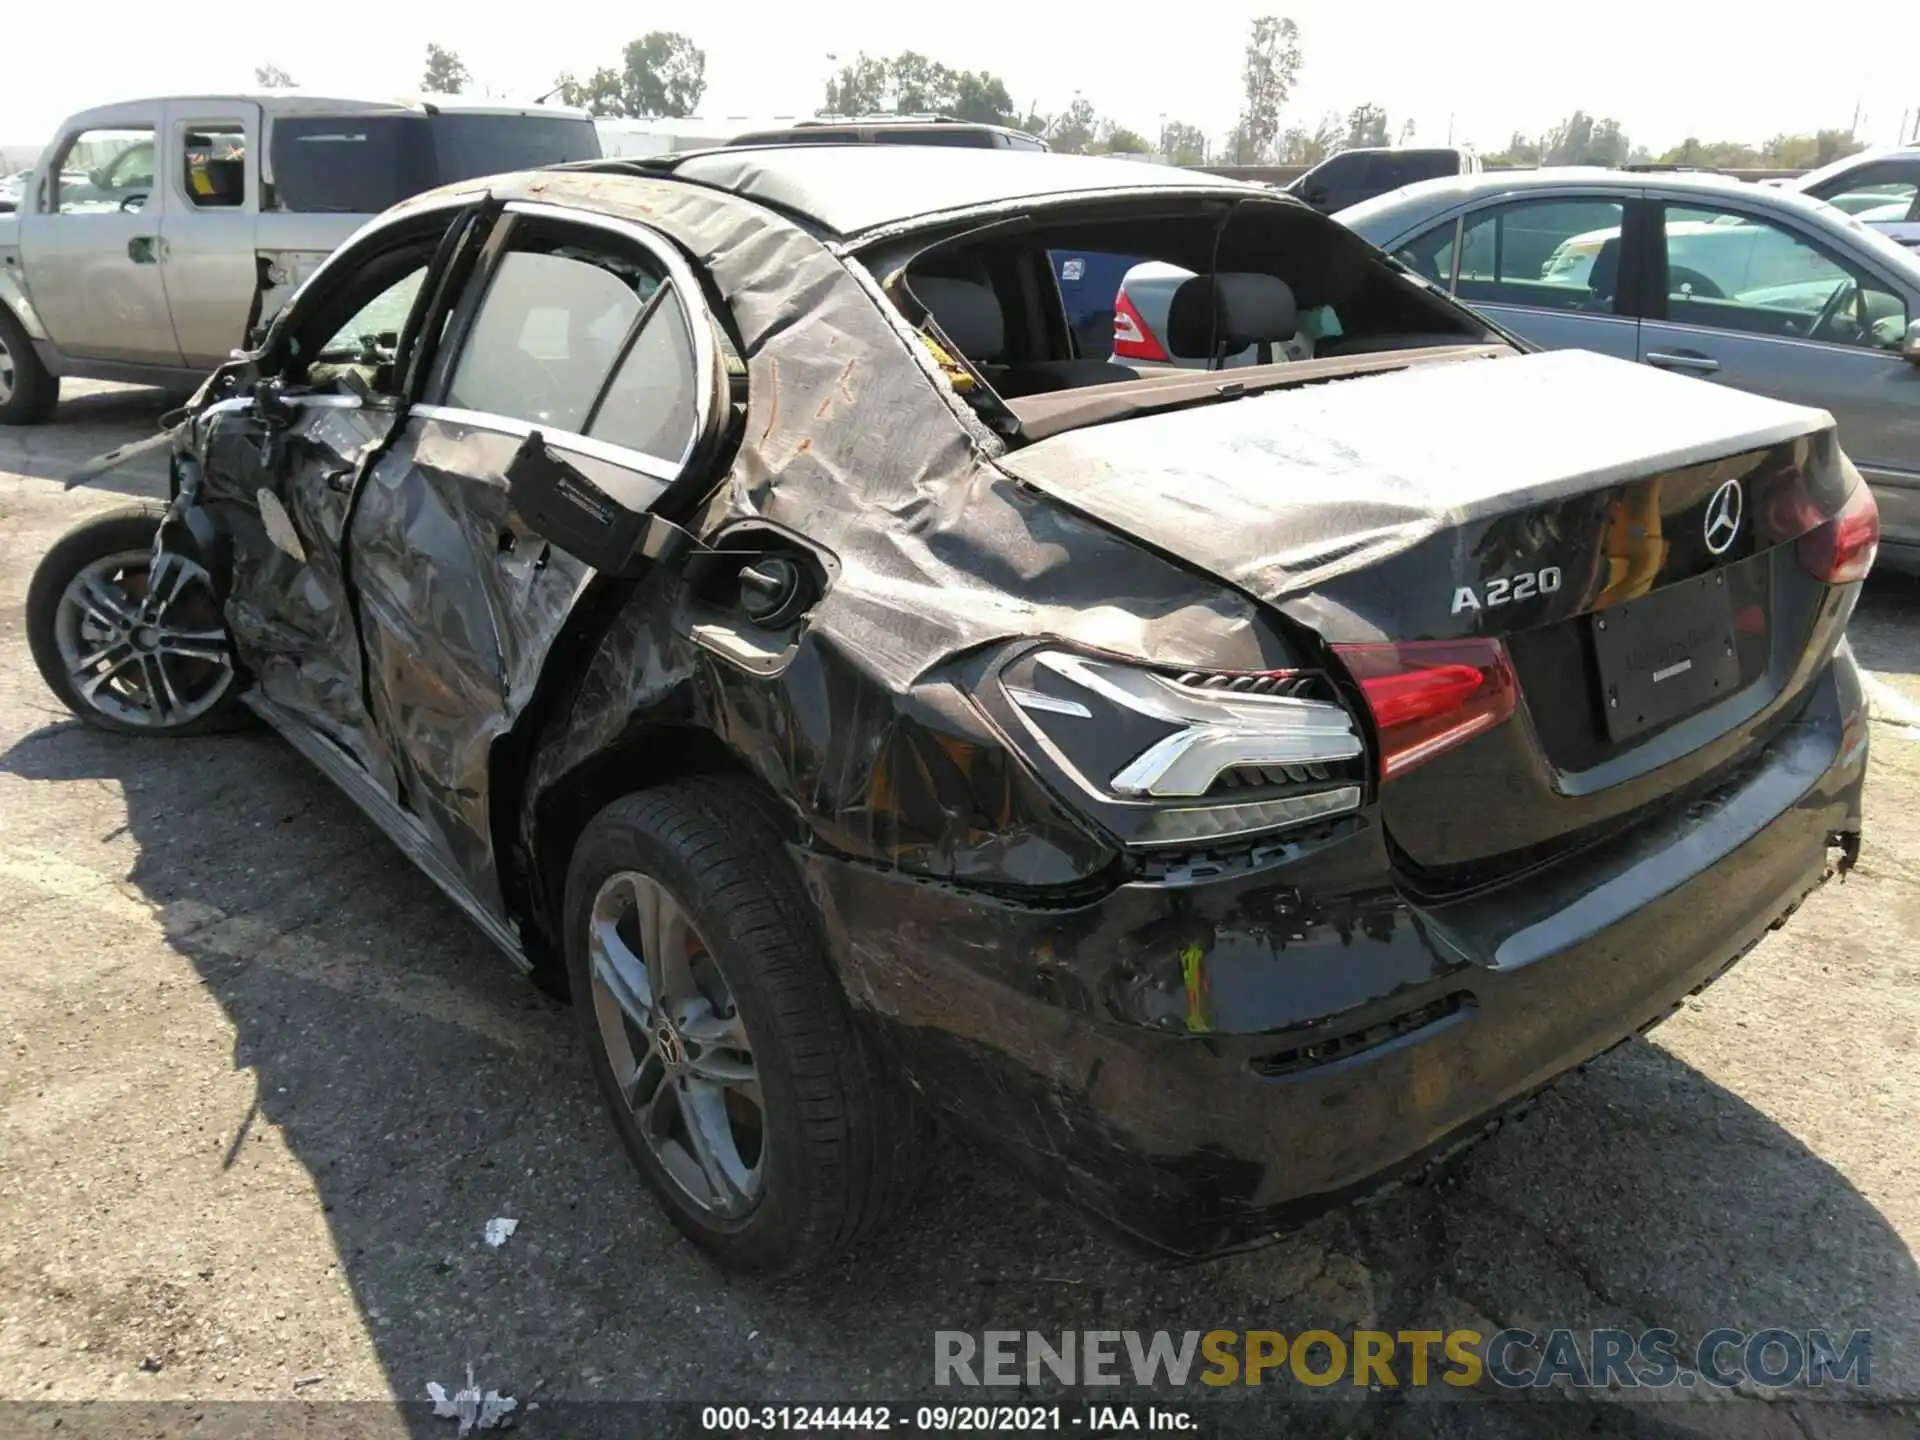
(1880, 188)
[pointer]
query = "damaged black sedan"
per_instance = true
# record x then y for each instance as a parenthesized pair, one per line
(1218, 788)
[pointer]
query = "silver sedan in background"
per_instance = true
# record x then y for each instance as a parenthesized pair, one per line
(1752, 286)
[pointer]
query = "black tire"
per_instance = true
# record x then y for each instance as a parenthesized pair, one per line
(36, 389)
(124, 531)
(841, 1131)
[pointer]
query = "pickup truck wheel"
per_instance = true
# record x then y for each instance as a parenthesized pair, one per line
(28, 390)
(757, 1110)
(127, 647)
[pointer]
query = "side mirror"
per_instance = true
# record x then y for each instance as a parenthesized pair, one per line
(1910, 347)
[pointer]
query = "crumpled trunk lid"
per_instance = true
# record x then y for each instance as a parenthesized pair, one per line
(1536, 500)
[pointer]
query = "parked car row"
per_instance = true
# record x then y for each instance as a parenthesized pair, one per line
(1764, 289)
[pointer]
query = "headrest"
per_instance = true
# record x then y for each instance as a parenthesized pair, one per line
(1604, 277)
(968, 311)
(1232, 310)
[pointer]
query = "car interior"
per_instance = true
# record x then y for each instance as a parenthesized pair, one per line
(1257, 267)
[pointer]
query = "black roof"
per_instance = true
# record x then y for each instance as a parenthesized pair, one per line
(850, 189)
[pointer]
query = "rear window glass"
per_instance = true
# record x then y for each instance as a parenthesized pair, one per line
(361, 164)
(961, 139)
(471, 145)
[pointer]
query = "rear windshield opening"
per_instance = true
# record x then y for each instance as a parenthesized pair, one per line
(1159, 292)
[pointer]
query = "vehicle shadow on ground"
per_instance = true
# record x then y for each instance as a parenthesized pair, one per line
(426, 1089)
(87, 424)
(1885, 629)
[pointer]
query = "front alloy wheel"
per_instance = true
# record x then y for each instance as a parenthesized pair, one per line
(131, 642)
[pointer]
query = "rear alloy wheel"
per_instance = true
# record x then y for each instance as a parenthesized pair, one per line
(28, 390)
(130, 646)
(751, 1102)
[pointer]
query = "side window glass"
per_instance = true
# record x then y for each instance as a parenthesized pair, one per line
(650, 404)
(548, 332)
(1732, 271)
(1431, 254)
(1545, 254)
(215, 161)
(375, 327)
(106, 170)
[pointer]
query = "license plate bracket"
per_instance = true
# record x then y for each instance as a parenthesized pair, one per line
(1665, 655)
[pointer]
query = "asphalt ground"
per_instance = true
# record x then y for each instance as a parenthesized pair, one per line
(262, 1087)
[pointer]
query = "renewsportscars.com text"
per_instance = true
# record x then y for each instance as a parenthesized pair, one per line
(1511, 1359)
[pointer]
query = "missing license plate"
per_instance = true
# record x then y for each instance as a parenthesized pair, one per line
(1665, 655)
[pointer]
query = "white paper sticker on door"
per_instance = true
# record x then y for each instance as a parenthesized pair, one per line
(279, 525)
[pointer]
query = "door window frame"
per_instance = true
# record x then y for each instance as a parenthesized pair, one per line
(698, 321)
(172, 154)
(149, 117)
(1656, 271)
(1632, 204)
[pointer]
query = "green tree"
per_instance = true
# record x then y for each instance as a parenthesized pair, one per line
(599, 94)
(1269, 67)
(1182, 144)
(918, 85)
(1301, 146)
(1075, 129)
(1521, 152)
(272, 77)
(1366, 126)
(446, 75)
(1581, 139)
(860, 88)
(981, 96)
(1117, 139)
(665, 74)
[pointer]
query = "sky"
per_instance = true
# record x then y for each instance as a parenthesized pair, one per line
(1665, 68)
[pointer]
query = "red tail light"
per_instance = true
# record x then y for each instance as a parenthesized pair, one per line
(1133, 338)
(1842, 550)
(1427, 696)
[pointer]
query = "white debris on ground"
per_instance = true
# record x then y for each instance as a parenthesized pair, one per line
(474, 1410)
(1890, 707)
(499, 1230)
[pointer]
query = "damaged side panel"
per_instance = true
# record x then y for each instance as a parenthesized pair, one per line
(284, 495)
(459, 604)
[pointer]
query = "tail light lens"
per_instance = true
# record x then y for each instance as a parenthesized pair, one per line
(1427, 696)
(1842, 550)
(1133, 338)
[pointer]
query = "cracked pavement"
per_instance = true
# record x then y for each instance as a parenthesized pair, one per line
(262, 1088)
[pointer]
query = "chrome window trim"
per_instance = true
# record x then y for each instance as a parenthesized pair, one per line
(665, 471)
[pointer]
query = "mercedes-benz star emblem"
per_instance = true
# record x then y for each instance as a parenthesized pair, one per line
(673, 1051)
(1723, 517)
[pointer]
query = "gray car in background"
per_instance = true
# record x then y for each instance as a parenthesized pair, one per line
(1760, 288)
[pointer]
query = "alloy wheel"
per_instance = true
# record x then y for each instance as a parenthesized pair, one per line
(9, 375)
(142, 641)
(677, 1045)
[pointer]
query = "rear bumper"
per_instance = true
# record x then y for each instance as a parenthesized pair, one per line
(1199, 1064)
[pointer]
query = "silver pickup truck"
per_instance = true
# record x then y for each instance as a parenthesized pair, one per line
(153, 235)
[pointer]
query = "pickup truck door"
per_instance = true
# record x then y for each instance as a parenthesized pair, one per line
(210, 162)
(90, 240)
